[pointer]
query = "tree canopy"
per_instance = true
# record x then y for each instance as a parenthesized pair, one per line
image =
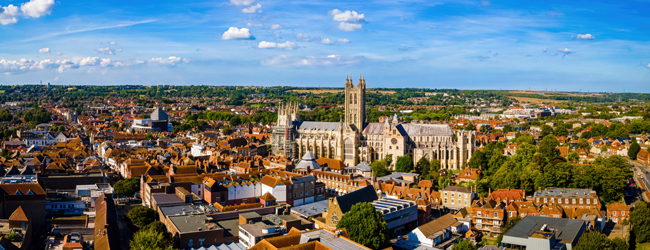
(640, 223)
(634, 150)
(128, 186)
(597, 240)
(365, 225)
(404, 164)
(464, 244)
(149, 240)
(141, 216)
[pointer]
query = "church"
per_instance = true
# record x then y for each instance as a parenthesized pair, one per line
(353, 140)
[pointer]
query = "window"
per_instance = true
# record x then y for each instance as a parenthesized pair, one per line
(545, 201)
(478, 213)
(614, 213)
(496, 215)
(588, 201)
(452, 201)
(573, 201)
(595, 202)
(552, 200)
(566, 200)
(445, 200)
(289, 195)
(537, 200)
(452, 194)
(581, 201)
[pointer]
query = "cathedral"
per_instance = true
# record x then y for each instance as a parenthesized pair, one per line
(353, 140)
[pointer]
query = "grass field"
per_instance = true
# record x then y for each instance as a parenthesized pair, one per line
(533, 100)
(552, 93)
(321, 91)
(2, 91)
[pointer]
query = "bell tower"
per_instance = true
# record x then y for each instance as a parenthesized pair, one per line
(355, 103)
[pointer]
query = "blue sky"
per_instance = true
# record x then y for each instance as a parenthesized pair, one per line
(563, 45)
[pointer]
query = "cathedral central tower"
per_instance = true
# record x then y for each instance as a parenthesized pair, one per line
(355, 103)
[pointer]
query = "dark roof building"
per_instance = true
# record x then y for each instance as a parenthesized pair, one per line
(535, 232)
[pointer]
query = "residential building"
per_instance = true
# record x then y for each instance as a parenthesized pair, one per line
(489, 216)
(440, 233)
(618, 212)
(455, 198)
(543, 233)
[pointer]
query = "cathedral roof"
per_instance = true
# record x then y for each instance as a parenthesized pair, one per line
(409, 129)
(324, 126)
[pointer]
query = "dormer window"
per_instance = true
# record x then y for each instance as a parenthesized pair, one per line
(30, 192)
(18, 192)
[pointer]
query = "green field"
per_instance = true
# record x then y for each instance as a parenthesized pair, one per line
(2, 91)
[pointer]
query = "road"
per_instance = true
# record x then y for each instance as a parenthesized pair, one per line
(642, 174)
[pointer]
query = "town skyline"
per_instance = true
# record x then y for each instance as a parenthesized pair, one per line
(442, 44)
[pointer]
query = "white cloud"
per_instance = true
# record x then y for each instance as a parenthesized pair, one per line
(254, 24)
(349, 26)
(302, 37)
(648, 65)
(565, 50)
(276, 26)
(586, 37)
(25, 65)
(37, 8)
(485, 3)
(253, 9)
(9, 14)
(347, 16)
(44, 50)
(113, 43)
(270, 45)
(310, 61)
(326, 41)
(235, 33)
(59, 53)
(343, 40)
(242, 2)
(172, 60)
(107, 51)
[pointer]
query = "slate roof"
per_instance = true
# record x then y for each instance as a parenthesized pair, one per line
(322, 126)
(366, 194)
(308, 160)
(377, 128)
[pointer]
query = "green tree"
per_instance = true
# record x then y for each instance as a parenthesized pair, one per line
(510, 222)
(470, 127)
(464, 244)
(422, 167)
(548, 147)
(583, 144)
(226, 131)
(158, 227)
(366, 225)
(149, 240)
(573, 157)
(127, 187)
(640, 223)
(404, 164)
(561, 131)
(141, 216)
(634, 150)
(597, 240)
(380, 167)
(546, 130)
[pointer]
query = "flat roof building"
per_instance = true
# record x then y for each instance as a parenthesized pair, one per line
(543, 233)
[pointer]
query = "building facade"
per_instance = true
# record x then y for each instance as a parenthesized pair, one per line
(354, 140)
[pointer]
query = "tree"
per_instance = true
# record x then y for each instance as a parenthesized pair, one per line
(510, 222)
(561, 131)
(470, 127)
(422, 167)
(583, 144)
(141, 216)
(634, 150)
(546, 130)
(158, 227)
(640, 223)
(149, 240)
(366, 226)
(548, 147)
(597, 240)
(404, 164)
(226, 131)
(464, 244)
(127, 187)
(573, 157)
(380, 167)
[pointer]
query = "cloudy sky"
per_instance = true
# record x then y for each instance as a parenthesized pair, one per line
(563, 45)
